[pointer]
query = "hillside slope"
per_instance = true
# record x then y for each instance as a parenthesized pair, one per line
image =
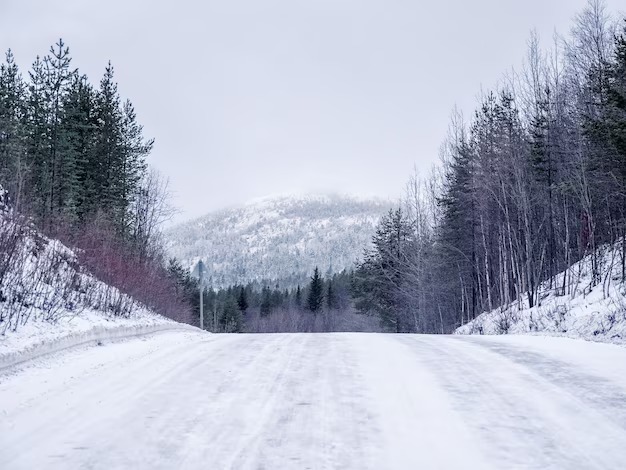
(49, 301)
(279, 239)
(584, 309)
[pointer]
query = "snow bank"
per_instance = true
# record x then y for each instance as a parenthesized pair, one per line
(584, 309)
(40, 338)
(49, 302)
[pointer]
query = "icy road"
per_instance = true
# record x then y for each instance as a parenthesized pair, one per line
(325, 401)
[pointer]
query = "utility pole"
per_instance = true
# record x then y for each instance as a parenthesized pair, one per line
(201, 307)
(215, 314)
(201, 275)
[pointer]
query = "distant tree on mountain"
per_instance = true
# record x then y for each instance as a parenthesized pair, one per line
(294, 235)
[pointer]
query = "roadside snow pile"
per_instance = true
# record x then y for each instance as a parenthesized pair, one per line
(46, 295)
(38, 338)
(578, 305)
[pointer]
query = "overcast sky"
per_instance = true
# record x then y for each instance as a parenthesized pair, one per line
(247, 98)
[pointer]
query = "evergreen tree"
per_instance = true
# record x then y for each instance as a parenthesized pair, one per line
(242, 300)
(186, 287)
(13, 163)
(298, 297)
(36, 141)
(61, 164)
(106, 160)
(378, 283)
(78, 127)
(230, 319)
(315, 297)
(266, 301)
(607, 131)
(132, 165)
(277, 298)
(331, 301)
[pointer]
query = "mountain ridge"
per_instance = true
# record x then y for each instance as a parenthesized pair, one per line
(278, 238)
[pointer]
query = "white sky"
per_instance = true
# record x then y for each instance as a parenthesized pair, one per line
(248, 97)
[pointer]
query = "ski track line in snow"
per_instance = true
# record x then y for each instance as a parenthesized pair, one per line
(190, 400)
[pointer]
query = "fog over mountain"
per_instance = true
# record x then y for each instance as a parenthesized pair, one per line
(279, 239)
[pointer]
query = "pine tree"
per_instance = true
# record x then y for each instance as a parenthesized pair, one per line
(106, 160)
(607, 130)
(331, 301)
(132, 165)
(266, 301)
(378, 280)
(617, 103)
(242, 300)
(37, 140)
(230, 319)
(13, 163)
(78, 127)
(315, 298)
(61, 164)
(187, 288)
(298, 298)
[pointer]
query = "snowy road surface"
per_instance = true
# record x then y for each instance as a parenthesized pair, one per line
(326, 401)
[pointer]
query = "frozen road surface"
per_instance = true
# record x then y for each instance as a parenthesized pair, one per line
(324, 401)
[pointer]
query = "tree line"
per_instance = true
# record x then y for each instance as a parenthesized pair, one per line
(534, 182)
(323, 304)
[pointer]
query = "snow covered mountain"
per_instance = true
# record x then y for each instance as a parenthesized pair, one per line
(279, 239)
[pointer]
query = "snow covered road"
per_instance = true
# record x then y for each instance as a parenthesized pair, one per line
(319, 401)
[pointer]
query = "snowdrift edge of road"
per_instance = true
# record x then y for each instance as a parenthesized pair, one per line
(95, 335)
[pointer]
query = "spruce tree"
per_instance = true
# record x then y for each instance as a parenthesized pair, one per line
(105, 162)
(132, 164)
(37, 140)
(266, 301)
(78, 127)
(330, 296)
(61, 165)
(614, 125)
(378, 281)
(230, 319)
(298, 297)
(13, 163)
(315, 299)
(242, 300)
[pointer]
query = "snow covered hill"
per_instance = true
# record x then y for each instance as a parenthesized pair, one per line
(279, 239)
(49, 301)
(571, 305)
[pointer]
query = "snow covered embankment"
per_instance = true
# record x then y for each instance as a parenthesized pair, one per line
(48, 302)
(583, 309)
(49, 339)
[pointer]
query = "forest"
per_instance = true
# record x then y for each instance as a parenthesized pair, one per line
(532, 183)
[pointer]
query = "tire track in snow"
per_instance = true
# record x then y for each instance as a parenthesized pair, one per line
(521, 419)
